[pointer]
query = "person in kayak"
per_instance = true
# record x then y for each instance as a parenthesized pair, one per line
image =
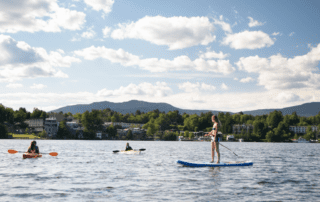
(128, 148)
(214, 139)
(33, 148)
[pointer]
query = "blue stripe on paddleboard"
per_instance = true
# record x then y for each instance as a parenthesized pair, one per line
(248, 163)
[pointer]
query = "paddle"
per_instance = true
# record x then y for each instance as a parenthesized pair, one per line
(115, 151)
(11, 151)
(228, 149)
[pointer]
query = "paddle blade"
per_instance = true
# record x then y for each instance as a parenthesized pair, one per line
(11, 151)
(115, 151)
(142, 149)
(53, 154)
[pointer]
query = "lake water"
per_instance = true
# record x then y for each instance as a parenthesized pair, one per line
(89, 171)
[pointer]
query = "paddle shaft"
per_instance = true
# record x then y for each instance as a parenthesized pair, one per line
(228, 149)
(11, 151)
(115, 151)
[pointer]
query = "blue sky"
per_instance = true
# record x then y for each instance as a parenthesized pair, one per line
(214, 55)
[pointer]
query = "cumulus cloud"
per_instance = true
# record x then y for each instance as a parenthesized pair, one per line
(275, 33)
(106, 32)
(38, 86)
(19, 60)
(212, 54)
(14, 85)
(278, 72)
(154, 64)
(105, 5)
(246, 80)
(160, 89)
(195, 87)
(225, 26)
(287, 97)
(254, 23)
(89, 34)
(248, 40)
(33, 16)
(291, 34)
(224, 86)
(174, 32)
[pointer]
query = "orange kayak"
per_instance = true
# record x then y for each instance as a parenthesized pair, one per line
(30, 155)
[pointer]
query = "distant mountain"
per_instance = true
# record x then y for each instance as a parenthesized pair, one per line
(128, 107)
(308, 109)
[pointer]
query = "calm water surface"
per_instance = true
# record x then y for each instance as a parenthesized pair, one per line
(89, 171)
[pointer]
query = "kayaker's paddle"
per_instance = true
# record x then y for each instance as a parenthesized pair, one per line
(115, 151)
(11, 151)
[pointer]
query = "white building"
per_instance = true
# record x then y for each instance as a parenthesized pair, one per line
(123, 125)
(302, 129)
(51, 126)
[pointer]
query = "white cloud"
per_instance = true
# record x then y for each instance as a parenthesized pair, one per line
(89, 34)
(106, 32)
(212, 54)
(291, 34)
(278, 72)
(115, 56)
(19, 60)
(248, 40)
(287, 97)
(105, 5)
(225, 26)
(224, 86)
(160, 89)
(254, 23)
(246, 80)
(175, 32)
(14, 85)
(42, 15)
(195, 87)
(38, 86)
(154, 64)
(275, 33)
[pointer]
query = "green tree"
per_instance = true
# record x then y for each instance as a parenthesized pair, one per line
(3, 114)
(10, 115)
(3, 131)
(170, 136)
(191, 135)
(129, 135)
(63, 132)
(43, 134)
(274, 118)
(309, 134)
(149, 132)
(270, 136)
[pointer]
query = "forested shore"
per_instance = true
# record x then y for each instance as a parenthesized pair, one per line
(273, 127)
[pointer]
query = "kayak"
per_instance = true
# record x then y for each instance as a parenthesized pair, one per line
(221, 164)
(29, 155)
(130, 151)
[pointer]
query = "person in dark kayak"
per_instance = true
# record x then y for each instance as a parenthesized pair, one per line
(128, 148)
(33, 148)
(214, 139)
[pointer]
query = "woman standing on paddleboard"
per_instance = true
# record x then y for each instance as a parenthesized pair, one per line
(214, 139)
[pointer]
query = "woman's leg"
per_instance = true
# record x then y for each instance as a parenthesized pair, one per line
(217, 150)
(212, 150)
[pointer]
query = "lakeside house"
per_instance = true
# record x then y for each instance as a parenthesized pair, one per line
(124, 125)
(302, 129)
(238, 128)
